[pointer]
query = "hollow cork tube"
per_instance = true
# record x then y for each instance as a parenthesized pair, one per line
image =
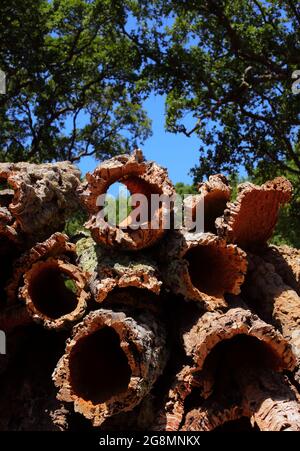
(110, 272)
(39, 197)
(273, 300)
(250, 220)
(253, 354)
(54, 293)
(214, 194)
(57, 245)
(203, 267)
(110, 363)
(140, 177)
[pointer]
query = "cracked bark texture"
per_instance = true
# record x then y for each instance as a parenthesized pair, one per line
(54, 293)
(215, 327)
(109, 270)
(110, 363)
(202, 267)
(250, 220)
(214, 194)
(57, 245)
(140, 177)
(41, 196)
(286, 261)
(268, 400)
(274, 301)
(210, 416)
(172, 413)
(238, 356)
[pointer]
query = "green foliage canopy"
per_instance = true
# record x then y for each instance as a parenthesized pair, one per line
(72, 81)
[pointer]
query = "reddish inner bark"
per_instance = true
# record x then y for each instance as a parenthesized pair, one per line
(98, 366)
(52, 292)
(210, 269)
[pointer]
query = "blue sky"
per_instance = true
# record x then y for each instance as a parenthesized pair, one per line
(175, 152)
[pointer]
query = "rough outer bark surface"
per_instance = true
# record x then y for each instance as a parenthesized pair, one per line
(210, 416)
(250, 220)
(57, 245)
(44, 196)
(140, 177)
(109, 270)
(75, 274)
(273, 300)
(214, 193)
(286, 261)
(142, 341)
(268, 400)
(214, 327)
(171, 415)
(224, 264)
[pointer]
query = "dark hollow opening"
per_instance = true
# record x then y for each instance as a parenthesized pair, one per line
(210, 269)
(242, 424)
(98, 366)
(53, 292)
(8, 253)
(229, 356)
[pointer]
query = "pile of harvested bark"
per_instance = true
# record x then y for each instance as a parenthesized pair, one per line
(145, 329)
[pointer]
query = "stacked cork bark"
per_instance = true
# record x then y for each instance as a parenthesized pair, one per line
(125, 328)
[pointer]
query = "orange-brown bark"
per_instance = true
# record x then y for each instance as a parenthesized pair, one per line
(140, 177)
(250, 220)
(54, 293)
(110, 363)
(203, 267)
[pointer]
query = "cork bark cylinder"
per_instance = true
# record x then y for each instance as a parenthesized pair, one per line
(135, 278)
(250, 220)
(203, 267)
(110, 363)
(273, 300)
(238, 360)
(140, 177)
(40, 196)
(54, 293)
(214, 194)
(57, 245)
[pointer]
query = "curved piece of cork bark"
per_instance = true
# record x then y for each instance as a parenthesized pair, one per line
(214, 327)
(41, 196)
(273, 300)
(268, 400)
(203, 267)
(214, 194)
(172, 413)
(57, 245)
(210, 416)
(54, 293)
(239, 355)
(286, 261)
(110, 270)
(250, 220)
(140, 177)
(110, 363)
